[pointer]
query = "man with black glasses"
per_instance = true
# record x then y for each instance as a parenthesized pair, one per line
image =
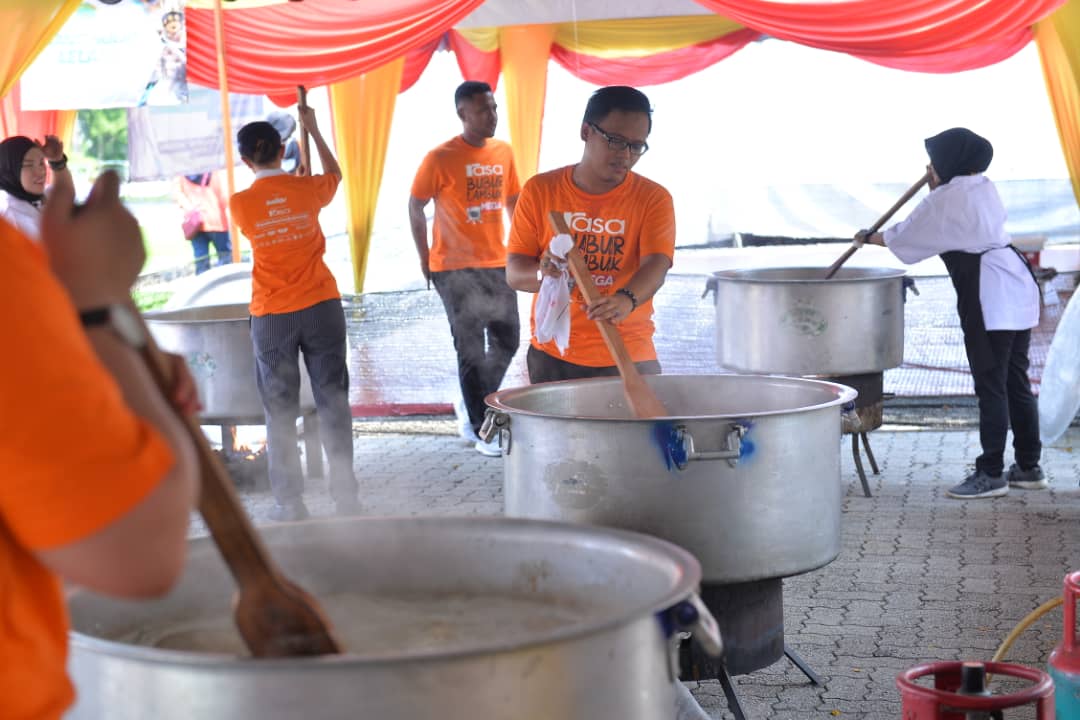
(624, 226)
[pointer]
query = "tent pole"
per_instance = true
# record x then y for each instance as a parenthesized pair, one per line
(226, 119)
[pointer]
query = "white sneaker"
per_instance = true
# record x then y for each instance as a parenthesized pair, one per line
(464, 425)
(491, 449)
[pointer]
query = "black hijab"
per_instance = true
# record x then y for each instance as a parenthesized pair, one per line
(12, 152)
(958, 151)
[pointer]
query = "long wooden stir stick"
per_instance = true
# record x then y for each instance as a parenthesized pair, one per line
(881, 221)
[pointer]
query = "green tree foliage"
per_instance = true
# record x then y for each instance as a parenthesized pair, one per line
(104, 133)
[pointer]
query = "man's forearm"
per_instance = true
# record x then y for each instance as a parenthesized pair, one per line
(649, 277)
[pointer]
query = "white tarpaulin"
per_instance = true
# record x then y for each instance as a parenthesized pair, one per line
(164, 142)
(108, 55)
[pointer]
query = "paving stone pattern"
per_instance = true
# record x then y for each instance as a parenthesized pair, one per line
(920, 577)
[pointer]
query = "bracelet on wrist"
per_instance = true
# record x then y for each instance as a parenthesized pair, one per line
(628, 293)
(59, 164)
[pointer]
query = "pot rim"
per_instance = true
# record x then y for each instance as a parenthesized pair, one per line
(842, 395)
(189, 315)
(684, 584)
(746, 275)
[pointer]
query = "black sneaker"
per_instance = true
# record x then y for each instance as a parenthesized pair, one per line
(292, 511)
(1030, 479)
(979, 485)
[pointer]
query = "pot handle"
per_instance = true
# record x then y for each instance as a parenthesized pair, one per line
(909, 284)
(710, 287)
(690, 617)
(496, 422)
(733, 448)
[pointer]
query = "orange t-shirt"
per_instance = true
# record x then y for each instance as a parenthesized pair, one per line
(613, 231)
(279, 215)
(74, 459)
(470, 186)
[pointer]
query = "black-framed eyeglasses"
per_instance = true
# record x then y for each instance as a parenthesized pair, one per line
(618, 144)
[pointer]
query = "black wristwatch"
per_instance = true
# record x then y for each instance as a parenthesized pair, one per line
(120, 319)
(59, 164)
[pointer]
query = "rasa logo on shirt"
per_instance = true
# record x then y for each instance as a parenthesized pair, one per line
(601, 242)
(479, 170)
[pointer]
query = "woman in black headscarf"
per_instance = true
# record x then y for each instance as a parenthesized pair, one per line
(23, 177)
(997, 298)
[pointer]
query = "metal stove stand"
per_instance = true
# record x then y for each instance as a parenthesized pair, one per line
(867, 416)
(751, 620)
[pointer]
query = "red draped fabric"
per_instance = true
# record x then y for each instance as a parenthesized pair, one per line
(475, 64)
(273, 48)
(652, 69)
(886, 31)
(970, 58)
(416, 61)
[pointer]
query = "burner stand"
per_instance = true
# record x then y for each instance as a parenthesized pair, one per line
(869, 406)
(751, 620)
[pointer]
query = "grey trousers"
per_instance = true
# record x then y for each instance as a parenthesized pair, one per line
(278, 339)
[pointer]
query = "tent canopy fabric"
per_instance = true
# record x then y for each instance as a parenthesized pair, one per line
(271, 46)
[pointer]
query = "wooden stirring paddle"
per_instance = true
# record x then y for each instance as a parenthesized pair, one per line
(639, 396)
(305, 142)
(881, 221)
(276, 618)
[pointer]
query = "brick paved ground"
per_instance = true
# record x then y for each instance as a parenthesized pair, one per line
(920, 577)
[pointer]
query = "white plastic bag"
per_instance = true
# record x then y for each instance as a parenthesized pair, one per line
(1059, 393)
(553, 302)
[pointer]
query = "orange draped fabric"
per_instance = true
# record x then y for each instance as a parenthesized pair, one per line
(1058, 39)
(273, 48)
(34, 124)
(362, 109)
(525, 50)
(887, 28)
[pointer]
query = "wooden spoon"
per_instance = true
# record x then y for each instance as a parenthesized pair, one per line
(276, 618)
(639, 396)
(881, 221)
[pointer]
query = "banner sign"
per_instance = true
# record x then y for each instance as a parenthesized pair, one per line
(164, 142)
(109, 54)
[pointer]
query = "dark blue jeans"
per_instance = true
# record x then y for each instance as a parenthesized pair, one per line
(200, 245)
(278, 339)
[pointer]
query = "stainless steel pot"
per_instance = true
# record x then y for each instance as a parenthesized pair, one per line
(745, 474)
(792, 321)
(611, 661)
(216, 342)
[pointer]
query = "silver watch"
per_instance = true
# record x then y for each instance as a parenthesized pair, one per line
(121, 319)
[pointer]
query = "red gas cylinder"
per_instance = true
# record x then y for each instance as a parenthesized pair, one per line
(959, 691)
(1065, 660)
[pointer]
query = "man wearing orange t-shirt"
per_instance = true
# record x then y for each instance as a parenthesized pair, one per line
(624, 226)
(295, 306)
(105, 506)
(473, 181)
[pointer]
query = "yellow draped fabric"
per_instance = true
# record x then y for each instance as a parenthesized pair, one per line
(363, 109)
(29, 25)
(641, 37)
(621, 38)
(1058, 39)
(524, 50)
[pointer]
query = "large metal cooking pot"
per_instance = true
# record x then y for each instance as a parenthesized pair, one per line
(745, 474)
(216, 342)
(792, 321)
(609, 657)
